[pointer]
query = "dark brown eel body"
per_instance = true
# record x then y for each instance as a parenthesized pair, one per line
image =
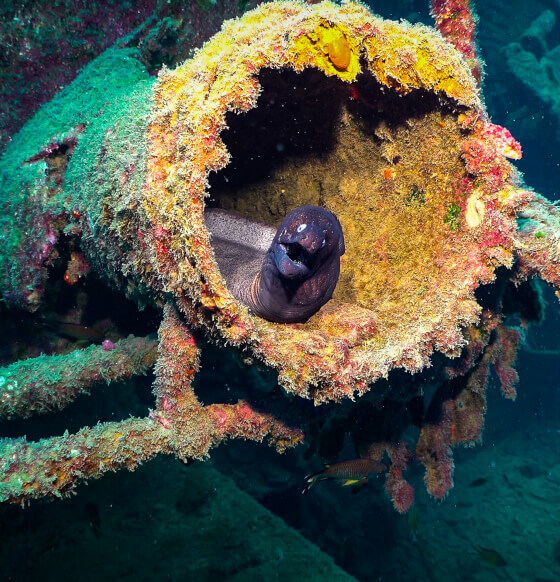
(284, 275)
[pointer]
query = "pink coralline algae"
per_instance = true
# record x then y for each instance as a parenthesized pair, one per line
(108, 345)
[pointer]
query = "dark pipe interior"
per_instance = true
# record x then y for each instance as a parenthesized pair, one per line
(296, 115)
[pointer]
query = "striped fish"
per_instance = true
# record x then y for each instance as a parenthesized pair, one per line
(351, 472)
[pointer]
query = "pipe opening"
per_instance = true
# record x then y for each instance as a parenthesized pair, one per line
(387, 164)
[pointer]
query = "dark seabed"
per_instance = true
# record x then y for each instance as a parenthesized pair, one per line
(241, 515)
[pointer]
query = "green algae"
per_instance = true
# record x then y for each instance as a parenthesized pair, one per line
(452, 216)
(106, 175)
(100, 83)
(45, 383)
(31, 205)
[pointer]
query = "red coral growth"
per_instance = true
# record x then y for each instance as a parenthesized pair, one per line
(195, 428)
(456, 20)
(399, 490)
(507, 346)
(467, 408)
(485, 154)
(242, 420)
(433, 450)
(459, 418)
(502, 139)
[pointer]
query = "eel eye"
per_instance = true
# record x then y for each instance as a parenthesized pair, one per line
(301, 227)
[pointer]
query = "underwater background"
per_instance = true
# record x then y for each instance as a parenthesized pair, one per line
(241, 515)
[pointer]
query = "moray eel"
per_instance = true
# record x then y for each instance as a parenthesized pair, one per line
(284, 275)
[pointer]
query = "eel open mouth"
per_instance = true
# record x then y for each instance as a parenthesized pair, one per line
(292, 260)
